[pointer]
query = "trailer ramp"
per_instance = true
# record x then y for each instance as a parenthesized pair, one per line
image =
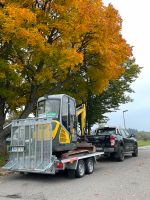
(31, 146)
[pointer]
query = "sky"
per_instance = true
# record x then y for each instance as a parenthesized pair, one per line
(136, 31)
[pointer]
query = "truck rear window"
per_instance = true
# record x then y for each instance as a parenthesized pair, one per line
(107, 131)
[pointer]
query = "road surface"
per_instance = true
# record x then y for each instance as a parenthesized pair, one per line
(128, 180)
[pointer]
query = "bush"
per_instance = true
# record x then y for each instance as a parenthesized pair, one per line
(143, 136)
(2, 161)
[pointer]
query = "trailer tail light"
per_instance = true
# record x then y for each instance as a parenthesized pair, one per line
(60, 165)
(112, 140)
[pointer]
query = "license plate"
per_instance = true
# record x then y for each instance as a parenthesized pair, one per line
(99, 149)
(17, 149)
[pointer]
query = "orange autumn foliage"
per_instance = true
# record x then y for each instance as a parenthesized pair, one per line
(49, 42)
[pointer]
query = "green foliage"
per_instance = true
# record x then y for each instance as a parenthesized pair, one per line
(143, 136)
(3, 160)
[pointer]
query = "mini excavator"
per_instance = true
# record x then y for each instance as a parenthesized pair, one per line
(62, 109)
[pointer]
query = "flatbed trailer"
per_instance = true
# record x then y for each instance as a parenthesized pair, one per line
(31, 151)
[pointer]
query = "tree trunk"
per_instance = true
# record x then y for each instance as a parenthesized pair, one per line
(2, 113)
(2, 122)
(89, 128)
(88, 116)
(28, 109)
(31, 102)
(3, 147)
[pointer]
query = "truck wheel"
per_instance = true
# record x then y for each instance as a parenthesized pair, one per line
(135, 153)
(112, 156)
(89, 166)
(120, 154)
(80, 171)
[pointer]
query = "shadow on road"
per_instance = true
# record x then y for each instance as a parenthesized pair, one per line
(40, 177)
(110, 160)
(61, 176)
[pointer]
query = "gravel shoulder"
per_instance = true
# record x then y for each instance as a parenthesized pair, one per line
(128, 180)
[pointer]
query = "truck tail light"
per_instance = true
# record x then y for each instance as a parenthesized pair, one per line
(112, 140)
(60, 165)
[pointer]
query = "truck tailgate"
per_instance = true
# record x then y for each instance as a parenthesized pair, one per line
(100, 141)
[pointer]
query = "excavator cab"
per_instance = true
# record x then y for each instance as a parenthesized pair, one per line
(62, 109)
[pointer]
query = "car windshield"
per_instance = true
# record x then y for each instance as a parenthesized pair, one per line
(106, 131)
(49, 108)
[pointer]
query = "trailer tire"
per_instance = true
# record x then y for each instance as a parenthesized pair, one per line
(80, 171)
(89, 166)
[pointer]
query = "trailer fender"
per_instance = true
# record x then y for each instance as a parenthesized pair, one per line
(72, 166)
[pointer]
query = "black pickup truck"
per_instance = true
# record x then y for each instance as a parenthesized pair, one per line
(115, 142)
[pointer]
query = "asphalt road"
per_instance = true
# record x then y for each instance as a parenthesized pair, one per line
(128, 180)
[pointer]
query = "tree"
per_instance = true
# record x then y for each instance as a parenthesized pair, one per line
(32, 56)
(104, 53)
(49, 46)
(132, 131)
(116, 94)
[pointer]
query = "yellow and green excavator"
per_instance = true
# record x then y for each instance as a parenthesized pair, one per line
(62, 109)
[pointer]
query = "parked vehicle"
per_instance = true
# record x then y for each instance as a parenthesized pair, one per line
(115, 142)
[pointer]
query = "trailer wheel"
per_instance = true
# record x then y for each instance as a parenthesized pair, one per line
(80, 171)
(89, 165)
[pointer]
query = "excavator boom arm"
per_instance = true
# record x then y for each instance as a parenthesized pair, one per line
(82, 111)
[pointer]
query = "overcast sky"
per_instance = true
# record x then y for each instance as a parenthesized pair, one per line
(136, 30)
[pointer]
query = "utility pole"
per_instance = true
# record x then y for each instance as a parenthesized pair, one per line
(124, 118)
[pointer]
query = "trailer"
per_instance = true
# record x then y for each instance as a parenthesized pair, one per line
(31, 151)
